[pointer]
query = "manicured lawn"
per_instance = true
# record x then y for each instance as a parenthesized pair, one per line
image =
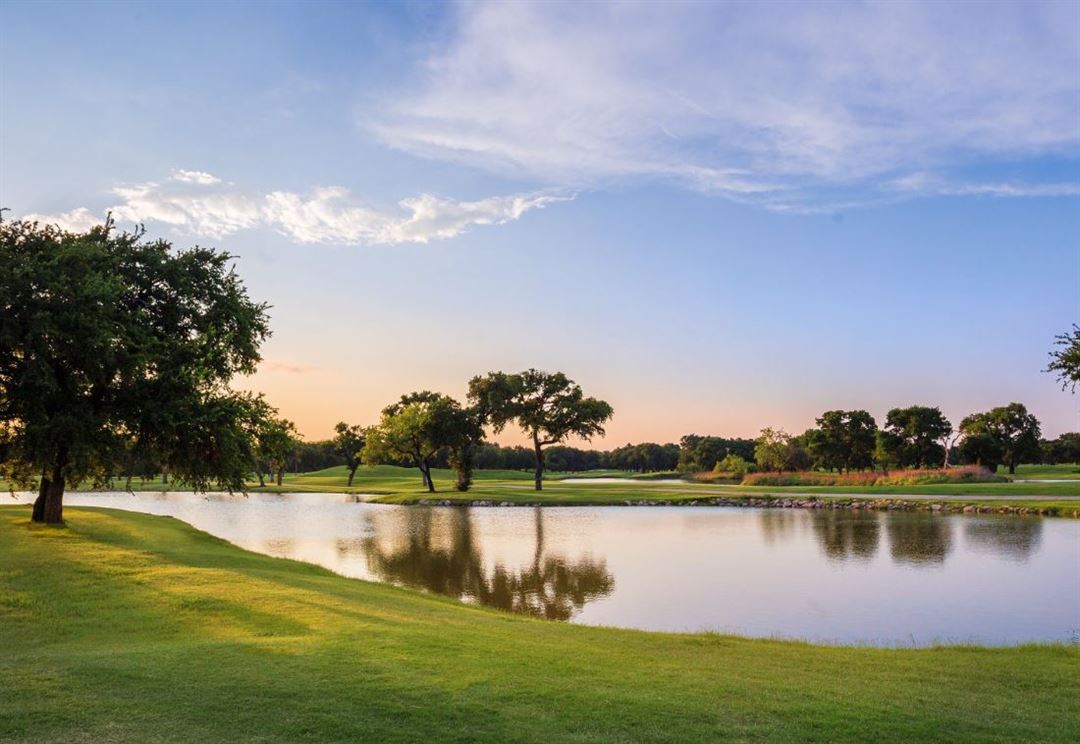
(127, 627)
(1069, 470)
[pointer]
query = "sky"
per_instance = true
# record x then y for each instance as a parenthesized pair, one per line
(716, 216)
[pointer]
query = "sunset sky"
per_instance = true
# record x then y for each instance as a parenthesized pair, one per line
(717, 217)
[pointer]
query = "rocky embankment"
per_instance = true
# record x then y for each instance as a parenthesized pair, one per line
(765, 502)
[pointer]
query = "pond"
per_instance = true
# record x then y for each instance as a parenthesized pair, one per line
(883, 578)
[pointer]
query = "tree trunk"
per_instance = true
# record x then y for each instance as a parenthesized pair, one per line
(1012, 468)
(38, 514)
(425, 470)
(352, 472)
(164, 476)
(539, 479)
(280, 475)
(262, 481)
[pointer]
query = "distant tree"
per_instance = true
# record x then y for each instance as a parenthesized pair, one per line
(275, 440)
(844, 440)
(415, 429)
(912, 437)
(549, 407)
(348, 442)
(464, 432)
(773, 450)
(1065, 362)
(114, 349)
(1008, 435)
(1064, 449)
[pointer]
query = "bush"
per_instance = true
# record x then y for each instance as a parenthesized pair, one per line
(733, 467)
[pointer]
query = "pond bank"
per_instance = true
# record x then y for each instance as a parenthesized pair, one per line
(765, 502)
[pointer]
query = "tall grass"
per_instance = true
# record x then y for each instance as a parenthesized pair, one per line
(965, 474)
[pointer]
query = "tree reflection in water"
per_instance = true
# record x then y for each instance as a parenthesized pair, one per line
(445, 558)
(1012, 536)
(847, 535)
(919, 538)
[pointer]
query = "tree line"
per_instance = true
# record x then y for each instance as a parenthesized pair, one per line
(912, 437)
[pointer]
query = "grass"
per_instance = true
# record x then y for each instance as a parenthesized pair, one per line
(390, 484)
(1037, 472)
(128, 627)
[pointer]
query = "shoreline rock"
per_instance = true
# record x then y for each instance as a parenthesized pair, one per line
(784, 503)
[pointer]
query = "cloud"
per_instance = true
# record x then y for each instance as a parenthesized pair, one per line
(330, 214)
(193, 176)
(286, 367)
(767, 102)
(77, 220)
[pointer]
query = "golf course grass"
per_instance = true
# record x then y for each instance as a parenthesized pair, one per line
(396, 485)
(128, 627)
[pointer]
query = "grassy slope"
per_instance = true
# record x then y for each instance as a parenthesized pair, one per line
(127, 627)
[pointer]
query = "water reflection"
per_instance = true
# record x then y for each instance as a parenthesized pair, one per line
(440, 553)
(920, 538)
(1015, 537)
(860, 577)
(847, 535)
(777, 525)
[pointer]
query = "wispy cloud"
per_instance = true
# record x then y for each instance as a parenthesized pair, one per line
(203, 206)
(286, 367)
(193, 176)
(764, 102)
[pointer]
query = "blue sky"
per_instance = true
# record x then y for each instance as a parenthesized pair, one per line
(719, 217)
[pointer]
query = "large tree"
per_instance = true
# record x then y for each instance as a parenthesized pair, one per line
(912, 437)
(549, 407)
(348, 442)
(844, 440)
(1007, 435)
(419, 425)
(114, 348)
(1065, 362)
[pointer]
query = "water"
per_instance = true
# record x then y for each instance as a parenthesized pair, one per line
(886, 578)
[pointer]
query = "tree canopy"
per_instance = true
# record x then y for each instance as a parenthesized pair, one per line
(1007, 435)
(417, 427)
(844, 440)
(348, 442)
(1065, 362)
(549, 407)
(912, 437)
(115, 349)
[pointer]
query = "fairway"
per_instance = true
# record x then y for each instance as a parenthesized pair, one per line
(144, 629)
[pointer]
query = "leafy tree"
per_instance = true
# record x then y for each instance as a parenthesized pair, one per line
(275, 440)
(913, 435)
(348, 442)
(417, 427)
(464, 431)
(115, 350)
(698, 454)
(774, 450)
(1008, 435)
(1065, 362)
(1064, 449)
(549, 407)
(844, 440)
